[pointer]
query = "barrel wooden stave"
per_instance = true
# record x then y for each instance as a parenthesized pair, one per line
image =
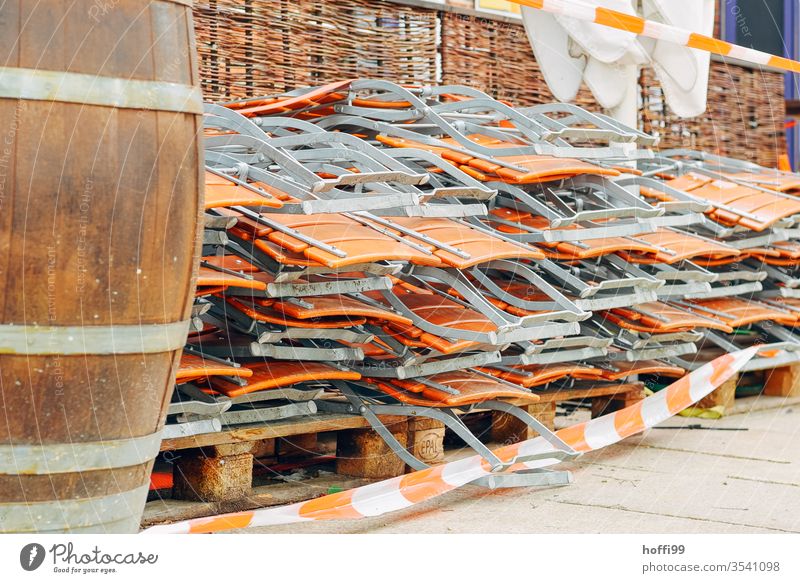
(73, 486)
(137, 39)
(115, 192)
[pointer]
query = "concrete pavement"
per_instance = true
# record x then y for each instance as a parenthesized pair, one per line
(664, 481)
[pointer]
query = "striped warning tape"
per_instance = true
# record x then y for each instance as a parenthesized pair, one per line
(404, 491)
(659, 31)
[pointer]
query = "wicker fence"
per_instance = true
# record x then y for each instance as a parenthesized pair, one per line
(496, 57)
(258, 47)
(745, 115)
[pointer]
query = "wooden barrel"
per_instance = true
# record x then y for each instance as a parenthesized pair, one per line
(100, 201)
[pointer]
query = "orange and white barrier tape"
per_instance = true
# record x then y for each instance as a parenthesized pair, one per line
(659, 31)
(404, 491)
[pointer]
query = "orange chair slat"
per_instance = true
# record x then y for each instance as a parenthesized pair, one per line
(224, 195)
(318, 96)
(194, 367)
(626, 369)
(778, 181)
(680, 246)
(285, 256)
(542, 374)
(211, 277)
(738, 312)
(664, 319)
(480, 246)
(232, 262)
(264, 314)
(336, 305)
(276, 374)
(472, 389)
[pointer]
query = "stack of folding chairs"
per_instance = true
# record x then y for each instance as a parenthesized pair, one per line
(754, 212)
(375, 249)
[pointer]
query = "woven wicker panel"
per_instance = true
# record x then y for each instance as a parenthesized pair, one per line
(495, 57)
(258, 47)
(744, 118)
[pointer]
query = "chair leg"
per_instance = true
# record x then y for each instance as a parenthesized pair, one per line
(397, 447)
(526, 479)
(363, 409)
(531, 422)
(451, 420)
(501, 479)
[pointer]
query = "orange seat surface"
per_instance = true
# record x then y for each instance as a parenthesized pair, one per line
(193, 367)
(282, 373)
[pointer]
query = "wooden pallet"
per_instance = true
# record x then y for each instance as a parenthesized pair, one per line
(218, 467)
(215, 470)
(604, 397)
(778, 382)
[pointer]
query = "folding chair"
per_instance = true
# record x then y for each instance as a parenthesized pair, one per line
(669, 246)
(437, 397)
(599, 207)
(294, 246)
(555, 351)
(773, 353)
(737, 170)
(737, 312)
(662, 318)
(460, 296)
(751, 207)
(275, 390)
(530, 376)
(225, 191)
(629, 344)
(268, 375)
(754, 322)
(293, 158)
(293, 102)
(541, 126)
(592, 370)
(602, 283)
(191, 411)
(306, 344)
(214, 277)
